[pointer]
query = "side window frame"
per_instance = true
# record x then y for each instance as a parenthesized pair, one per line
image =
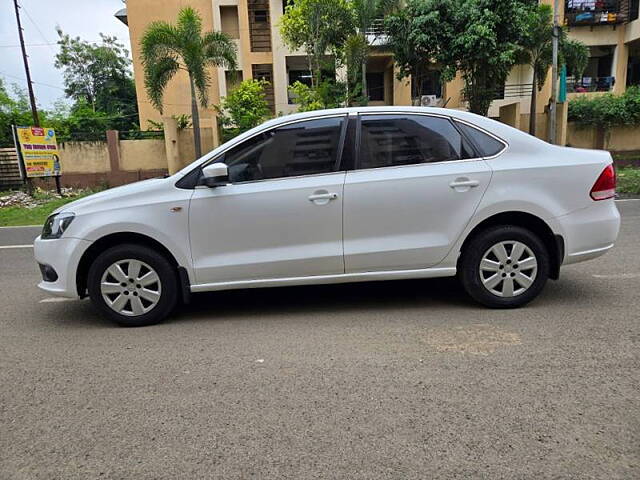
(358, 149)
(476, 147)
(195, 179)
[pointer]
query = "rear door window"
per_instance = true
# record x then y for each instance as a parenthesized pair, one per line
(389, 140)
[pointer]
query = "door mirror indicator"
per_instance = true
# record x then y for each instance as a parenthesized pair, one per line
(215, 175)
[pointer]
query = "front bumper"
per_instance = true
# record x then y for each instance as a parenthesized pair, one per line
(63, 256)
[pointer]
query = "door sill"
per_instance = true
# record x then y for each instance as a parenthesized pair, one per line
(327, 279)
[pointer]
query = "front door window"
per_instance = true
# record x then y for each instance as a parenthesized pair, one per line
(300, 148)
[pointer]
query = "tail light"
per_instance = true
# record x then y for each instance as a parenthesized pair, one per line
(605, 186)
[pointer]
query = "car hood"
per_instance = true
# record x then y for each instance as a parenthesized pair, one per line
(97, 201)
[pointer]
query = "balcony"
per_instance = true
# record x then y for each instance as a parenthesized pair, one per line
(596, 12)
(377, 35)
(590, 84)
(513, 90)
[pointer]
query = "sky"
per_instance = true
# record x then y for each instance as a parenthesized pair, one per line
(39, 18)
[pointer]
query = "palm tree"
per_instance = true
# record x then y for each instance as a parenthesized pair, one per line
(537, 52)
(167, 48)
(366, 13)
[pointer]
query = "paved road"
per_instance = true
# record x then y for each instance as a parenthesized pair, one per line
(384, 380)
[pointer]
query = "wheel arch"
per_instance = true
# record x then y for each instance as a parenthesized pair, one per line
(552, 241)
(111, 240)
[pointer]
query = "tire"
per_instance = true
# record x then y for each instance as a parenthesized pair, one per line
(494, 251)
(146, 300)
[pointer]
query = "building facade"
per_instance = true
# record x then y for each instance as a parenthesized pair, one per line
(610, 28)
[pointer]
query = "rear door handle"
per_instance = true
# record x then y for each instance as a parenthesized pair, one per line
(322, 196)
(464, 183)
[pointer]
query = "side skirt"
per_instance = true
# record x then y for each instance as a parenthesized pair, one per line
(327, 279)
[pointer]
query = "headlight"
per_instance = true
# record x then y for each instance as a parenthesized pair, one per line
(56, 224)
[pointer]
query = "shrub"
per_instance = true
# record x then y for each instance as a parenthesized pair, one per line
(244, 108)
(608, 110)
(329, 94)
(629, 180)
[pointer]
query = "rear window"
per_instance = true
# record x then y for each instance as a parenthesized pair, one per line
(488, 145)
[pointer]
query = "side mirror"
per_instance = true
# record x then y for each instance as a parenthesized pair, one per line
(216, 174)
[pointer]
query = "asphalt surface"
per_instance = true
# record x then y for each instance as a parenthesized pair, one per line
(403, 380)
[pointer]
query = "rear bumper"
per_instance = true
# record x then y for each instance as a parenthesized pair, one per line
(62, 256)
(590, 232)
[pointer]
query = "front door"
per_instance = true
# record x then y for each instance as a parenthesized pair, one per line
(416, 187)
(281, 214)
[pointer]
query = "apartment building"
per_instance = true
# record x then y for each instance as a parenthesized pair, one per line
(610, 28)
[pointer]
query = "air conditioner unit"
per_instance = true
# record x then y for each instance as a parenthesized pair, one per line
(429, 101)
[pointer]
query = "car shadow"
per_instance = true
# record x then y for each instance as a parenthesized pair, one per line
(439, 293)
(444, 292)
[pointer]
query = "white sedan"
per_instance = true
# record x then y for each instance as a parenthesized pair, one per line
(344, 195)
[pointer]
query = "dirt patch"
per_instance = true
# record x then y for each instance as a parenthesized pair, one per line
(480, 339)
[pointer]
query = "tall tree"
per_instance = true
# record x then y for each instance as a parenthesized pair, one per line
(14, 110)
(320, 27)
(478, 38)
(99, 75)
(576, 57)
(167, 49)
(412, 58)
(537, 53)
(366, 13)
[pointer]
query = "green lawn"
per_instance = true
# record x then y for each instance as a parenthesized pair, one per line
(16, 216)
(628, 180)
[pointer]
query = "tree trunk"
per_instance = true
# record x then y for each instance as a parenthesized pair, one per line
(195, 119)
(533, 109)
(365, 93)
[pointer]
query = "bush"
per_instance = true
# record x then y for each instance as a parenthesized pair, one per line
(608, 110)
(628, 180)
(329, 94)
(244, 108)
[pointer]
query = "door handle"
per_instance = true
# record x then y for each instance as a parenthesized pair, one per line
(322, 196)
(460, 183)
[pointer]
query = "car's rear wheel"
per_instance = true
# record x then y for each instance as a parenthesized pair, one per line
(504, 267)
(133, 285)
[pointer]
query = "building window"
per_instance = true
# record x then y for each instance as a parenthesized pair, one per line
(229, 21)
(232, 78)
(259, 25)
(375, 86)
(264, 71)
(261, 16)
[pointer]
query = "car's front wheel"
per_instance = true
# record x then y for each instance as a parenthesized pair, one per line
(133, 285)
(504, 267)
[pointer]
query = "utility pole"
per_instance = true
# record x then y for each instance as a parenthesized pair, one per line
(32, 98)
(554, 75)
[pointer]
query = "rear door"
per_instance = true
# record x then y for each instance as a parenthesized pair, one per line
(417, 184)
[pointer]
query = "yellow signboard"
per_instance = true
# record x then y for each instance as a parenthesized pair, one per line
(39, 151)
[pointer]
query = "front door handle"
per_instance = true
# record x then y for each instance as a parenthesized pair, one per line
(322, 197)
(464, 183)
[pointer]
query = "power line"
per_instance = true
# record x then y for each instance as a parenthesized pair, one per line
(38, 29)
(32, 81)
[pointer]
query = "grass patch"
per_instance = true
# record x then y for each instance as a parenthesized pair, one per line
(628, 180)
(16, 215)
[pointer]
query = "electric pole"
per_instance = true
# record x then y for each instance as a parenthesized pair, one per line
(32, 98)
(554, 75)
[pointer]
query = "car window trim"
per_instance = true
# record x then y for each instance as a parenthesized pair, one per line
(344, 117)
(405, 113)
(505, 144)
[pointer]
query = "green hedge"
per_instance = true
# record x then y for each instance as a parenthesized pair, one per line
(608, 110)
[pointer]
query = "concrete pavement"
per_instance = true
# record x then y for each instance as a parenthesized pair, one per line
(397, 380)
